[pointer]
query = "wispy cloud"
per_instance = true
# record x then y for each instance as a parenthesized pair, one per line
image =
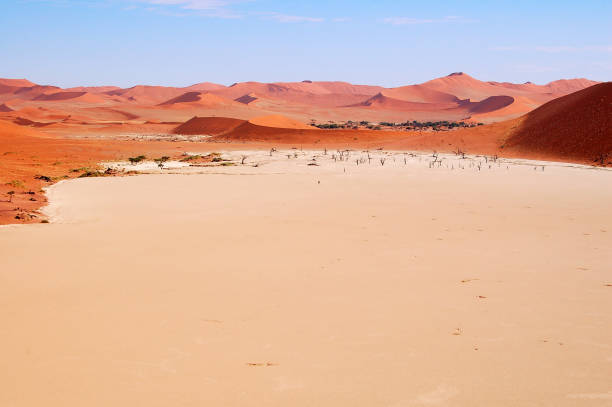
(210, 8)
(191, 4)
(223, 9)
(286, 18)
(415, 21)
(553, 49)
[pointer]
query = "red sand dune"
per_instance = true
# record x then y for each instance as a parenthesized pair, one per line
(574, 127)
(490, 104)
(93, 89)
(204, 87)
(42, 113)
(199, 99)
(18, 83)
(60, 96)
(73, 97)
(184, 98)
(383, 102)
(327, 88)
(463, 86)
(150, 95)
(27, 122)
(277, 120)
(246, 99)
(322, 94)
(419, 93)
(9, 130)
(518, 107)
(208, 125)
(4, 108)
(557, 88)
(25, 93)
(249, 132)
(567, 86)
(529, 87)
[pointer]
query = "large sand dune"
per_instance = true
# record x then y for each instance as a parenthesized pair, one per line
(577, 126)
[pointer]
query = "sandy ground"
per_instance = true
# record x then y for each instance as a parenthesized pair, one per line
(330, 285)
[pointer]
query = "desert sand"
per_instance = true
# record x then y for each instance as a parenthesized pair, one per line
(281, 283)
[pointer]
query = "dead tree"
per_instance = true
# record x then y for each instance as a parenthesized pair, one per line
(601, 158)
(161, 161)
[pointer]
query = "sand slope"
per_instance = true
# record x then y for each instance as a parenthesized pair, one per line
(208, 125)
(277, 120)
(576, 126)
(4, 108)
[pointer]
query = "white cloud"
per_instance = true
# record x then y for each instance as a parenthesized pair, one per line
(414, 21)
(406, 20)
(222, 8)
(209, 8)
(191, 4)
(285, 18)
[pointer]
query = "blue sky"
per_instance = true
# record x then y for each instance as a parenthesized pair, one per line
(383, 42)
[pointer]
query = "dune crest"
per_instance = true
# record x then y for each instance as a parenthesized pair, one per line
(276, 120)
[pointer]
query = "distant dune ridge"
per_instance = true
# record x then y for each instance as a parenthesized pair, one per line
(457, 96)
(571, 119)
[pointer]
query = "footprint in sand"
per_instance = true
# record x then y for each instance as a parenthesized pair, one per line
(266, 364)
(212, 321)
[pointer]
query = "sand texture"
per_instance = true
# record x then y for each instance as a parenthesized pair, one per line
(336, 284)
